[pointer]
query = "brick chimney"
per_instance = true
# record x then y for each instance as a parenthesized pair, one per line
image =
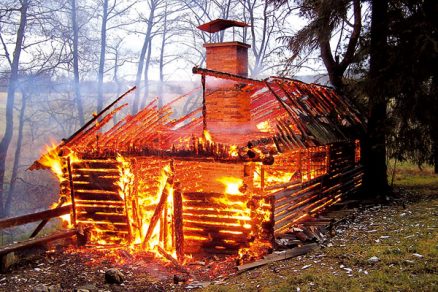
(227, 108)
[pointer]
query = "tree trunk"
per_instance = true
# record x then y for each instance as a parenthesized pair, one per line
(13, 80)
(102, 57)
(75, 28)
(374, 157)
(17, 155)
(146, 75)
(147, 39)
(163, 44)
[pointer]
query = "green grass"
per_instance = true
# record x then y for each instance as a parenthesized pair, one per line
(406, 230)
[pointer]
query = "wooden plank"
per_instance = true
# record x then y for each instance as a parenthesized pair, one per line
(19, 220)
(91, 196)
(96, 164)
(110, 226)
(218, 219)
(95, 186)
(178, 223)
(95, 172)
(101, 208)
(36, 241)
(294, 252)
(201, 196)
(216, 235)
(188, 210)
(44, 222)
(219, 226)
(114, 217)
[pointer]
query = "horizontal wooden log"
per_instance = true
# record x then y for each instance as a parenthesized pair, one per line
(215, 234)
(101, 208)
(116, 218)
(189, 210)
(211, 196)
(294, 252)
(36, 241)
(111, 186)
(95, 172)
(106, 226)
(193, 218)
(98, 178)
(215, 243)
(90, 196)
(96, 164)
(19, 220)
(219, 226)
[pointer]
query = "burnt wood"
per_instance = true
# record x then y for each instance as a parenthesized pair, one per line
(20, 220)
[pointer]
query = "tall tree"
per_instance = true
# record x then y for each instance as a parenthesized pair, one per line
(150, 21)
(375, 147)
(328, 20)
(103, 32)
(13, 80)
(75, 53)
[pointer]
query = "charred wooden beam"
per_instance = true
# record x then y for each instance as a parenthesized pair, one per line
(294, 252)
(178, 222)
(228, 76)
(44, 222)
(69, 139)
(19, 220)
(36, 241)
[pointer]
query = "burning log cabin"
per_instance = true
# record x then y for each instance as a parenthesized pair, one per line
(231, 176)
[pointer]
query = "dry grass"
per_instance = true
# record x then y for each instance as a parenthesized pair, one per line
(403, 236)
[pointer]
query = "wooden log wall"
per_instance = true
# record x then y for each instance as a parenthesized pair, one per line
(97, 200)
(200, 176)
(298, 201)
(214, 222)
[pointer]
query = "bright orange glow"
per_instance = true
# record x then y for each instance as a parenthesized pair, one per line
(207, 136)
(265, 127)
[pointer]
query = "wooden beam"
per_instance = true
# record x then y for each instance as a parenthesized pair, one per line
(171, 259)
(36, 241)
(20, 220)
(294, 252)
(178, 222)
(44, 222)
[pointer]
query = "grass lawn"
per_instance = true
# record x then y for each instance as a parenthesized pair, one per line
(403, 236)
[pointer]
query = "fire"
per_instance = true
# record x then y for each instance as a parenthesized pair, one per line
(233, 151)
(55, 162)
(265, 127)
(231, 184)
(207, 136)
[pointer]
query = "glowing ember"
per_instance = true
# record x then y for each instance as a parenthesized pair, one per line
(265, 127)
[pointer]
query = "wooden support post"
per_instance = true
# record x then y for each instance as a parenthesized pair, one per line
(72, 192)
(204, 106)
(178, 222)
(262, 178)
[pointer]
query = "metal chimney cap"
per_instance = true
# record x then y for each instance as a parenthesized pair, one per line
(221, 24)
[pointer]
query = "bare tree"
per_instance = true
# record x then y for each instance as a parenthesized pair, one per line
(267, 25)
(13, 79)
(150, 21)
(110, 11)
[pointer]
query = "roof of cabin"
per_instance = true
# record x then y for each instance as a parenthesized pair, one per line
(290, 113)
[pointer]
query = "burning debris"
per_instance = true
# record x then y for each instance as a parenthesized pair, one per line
(230, 177)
